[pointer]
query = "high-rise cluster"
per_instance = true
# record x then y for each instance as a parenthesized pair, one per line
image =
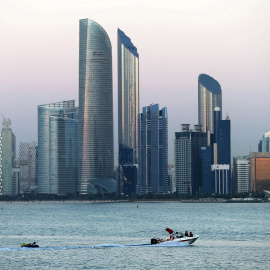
(75, 149)
(203, 155)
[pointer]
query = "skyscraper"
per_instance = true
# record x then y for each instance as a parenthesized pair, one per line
(241, 175)
(188, 162)
(57, 148)
(260, 171)
(153, 150)
(209, 97)
(216, 158)
(128, 93)
(96, 149)
(28, 166)
(7, 156)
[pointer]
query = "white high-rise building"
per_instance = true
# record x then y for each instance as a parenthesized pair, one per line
(241, 175)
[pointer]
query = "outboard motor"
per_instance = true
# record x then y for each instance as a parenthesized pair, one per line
(154, 241)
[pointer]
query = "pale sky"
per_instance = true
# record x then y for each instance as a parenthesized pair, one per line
(176, 40)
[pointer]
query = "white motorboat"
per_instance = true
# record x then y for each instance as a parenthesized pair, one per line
(176, 238)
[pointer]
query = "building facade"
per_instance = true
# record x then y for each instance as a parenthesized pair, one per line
(128, 93)
(7, 156)
(58, 148)
(209, 97)
(188, 162)
(241, 175)
(96, 148)
(216, 158)
(260, 171)
(153, 150)
(28, 167)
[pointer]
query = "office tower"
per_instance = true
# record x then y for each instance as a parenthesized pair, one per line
(28, 167)
(153, 150)
(265, 142)
(222, 155)
(241, 175)
(260, 171)
(208, 184)
(7, 156)
(188, 163)
(58, 148)
(217, 176)
(171, 178)
(96, 149)
(16, 177)
(209, 97)
(128, 93)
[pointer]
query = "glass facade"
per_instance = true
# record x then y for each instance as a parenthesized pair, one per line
(28, 166)
(209, 97)
(57, 147)
(7, 155)
(241, 175)
(96, 149)
(260, 171)
(188, 161)
(128, 93)
(153, 150)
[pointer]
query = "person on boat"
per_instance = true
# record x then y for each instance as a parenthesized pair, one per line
(186, 233)
(190, 234)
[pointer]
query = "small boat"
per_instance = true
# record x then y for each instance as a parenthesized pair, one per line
(34, 245)
(176, 238)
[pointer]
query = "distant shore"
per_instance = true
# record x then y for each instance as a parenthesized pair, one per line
(124, 201)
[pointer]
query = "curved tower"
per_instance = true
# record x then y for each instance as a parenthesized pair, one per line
(95, 110)
(128, 94)
(209, 97)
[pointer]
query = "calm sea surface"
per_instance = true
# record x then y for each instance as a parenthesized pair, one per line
(113, 235)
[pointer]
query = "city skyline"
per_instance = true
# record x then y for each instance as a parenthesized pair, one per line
(224, 40)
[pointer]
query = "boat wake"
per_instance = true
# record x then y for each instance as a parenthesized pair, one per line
(92, 247)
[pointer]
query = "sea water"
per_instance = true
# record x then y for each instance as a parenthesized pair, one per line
(74, 235)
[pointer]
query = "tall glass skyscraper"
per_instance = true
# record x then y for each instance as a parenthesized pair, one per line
(28, 166)
(96, 149)
(153, 150)
(58, 148)
(128, 93)
(209, 97)
(7, 156)
(188, 162)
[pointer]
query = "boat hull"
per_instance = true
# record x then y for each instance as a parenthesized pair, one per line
(181, 240)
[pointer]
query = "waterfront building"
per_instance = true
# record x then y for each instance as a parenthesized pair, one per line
(96, 148)
(16, 177)
(260, 171)
(28, 167)
(188, 162)
(171, 178)
(7, 156)
(58, 148)
(153, 150)
(266, 142)
(128, 93)
(209, 97)
(217, 158)
(241, 175)
(128, 110)
(129, 179)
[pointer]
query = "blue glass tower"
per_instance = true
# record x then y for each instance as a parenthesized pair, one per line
(153, 150)
(58, 148)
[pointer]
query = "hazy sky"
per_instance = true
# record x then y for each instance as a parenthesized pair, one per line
(176, 40)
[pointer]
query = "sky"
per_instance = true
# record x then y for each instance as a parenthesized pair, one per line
(176, 41)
